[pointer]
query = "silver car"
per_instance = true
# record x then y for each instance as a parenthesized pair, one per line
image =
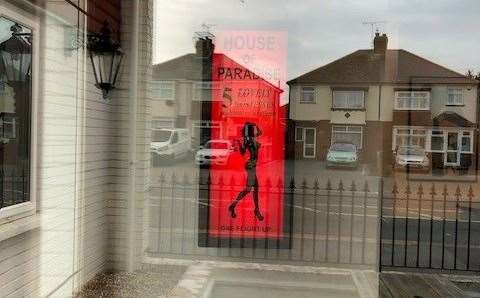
(342, 155)
(412, 157)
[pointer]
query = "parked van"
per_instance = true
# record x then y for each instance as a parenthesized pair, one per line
(171, 143)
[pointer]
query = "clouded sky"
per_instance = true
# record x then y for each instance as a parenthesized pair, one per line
(320, 31)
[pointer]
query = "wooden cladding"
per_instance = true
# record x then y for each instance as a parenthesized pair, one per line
(104, 10)
(97, 11)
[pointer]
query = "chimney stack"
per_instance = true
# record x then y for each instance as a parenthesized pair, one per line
(380, 43)
(204, 47)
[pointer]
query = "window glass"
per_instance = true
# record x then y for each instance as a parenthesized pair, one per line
(308, 94)
(161, 135)
(15, 112)
(452, 141)
(299, 134)
(412, 100)
(437, 143)
(163, 90)
(203, 91)
(347, 134)
(466, 144)
(455, 96)
(348, 99)
(175, 138)
(273, 103)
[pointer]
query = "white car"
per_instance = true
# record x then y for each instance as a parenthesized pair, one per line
(214, 152)
(412, 157)
(171, 143)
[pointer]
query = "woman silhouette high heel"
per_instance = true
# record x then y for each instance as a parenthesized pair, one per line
(250, 144)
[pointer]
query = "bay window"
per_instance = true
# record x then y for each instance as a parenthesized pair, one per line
(409, 137)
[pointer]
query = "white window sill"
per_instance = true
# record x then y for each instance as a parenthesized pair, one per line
(19, 226)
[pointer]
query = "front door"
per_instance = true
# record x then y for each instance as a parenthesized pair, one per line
(452, 154)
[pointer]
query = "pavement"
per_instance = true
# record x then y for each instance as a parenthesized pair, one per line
(163, 277)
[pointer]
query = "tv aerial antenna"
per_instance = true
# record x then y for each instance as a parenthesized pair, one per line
(206, 31)
(374, 25)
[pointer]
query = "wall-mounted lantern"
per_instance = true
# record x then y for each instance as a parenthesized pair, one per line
(106, 57)
(16, 56)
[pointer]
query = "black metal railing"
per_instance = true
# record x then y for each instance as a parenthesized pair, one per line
(14, 187)
(332, 222)
(430, 226)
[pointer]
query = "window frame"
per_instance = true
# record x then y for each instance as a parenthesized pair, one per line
(299, 136)
(22, 210)
(158, 82)
(451, 91)
(347, 107)
(302, 91)
(411, 131)
(431, 135)
(410, 98)
(470, 136)
(205, 85)
(3, 122)
(305, 144)
(156, 120)
(346, 129)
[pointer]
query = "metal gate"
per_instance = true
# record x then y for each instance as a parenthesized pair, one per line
(430, 226)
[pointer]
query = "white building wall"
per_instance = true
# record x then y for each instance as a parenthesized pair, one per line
(117, 211)
(78, 141)
(439, 101)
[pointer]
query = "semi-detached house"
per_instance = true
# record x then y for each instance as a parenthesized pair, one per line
(379, 99)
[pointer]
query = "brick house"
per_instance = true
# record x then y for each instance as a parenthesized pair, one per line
(183, 87)
(379, 99)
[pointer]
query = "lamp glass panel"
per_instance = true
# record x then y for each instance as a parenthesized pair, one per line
(116, 66)
(106, 65)
(16, 51)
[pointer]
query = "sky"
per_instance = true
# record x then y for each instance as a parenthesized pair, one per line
(319, 31)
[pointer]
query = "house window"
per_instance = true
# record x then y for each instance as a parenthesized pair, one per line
(455, 97)
(309, 142)
(348, 100)
(16, 112)
(437, 141)
(7, 127)
(307, 95)
(467, 144)
(348, 134)
(412, 100)
(409, 137)
(206, 91)
(299, 134)
(158, 122)
(163, 90)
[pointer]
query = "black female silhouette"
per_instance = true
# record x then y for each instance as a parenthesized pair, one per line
(250, 133)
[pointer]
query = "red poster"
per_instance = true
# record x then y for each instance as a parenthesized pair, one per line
(246, 107)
